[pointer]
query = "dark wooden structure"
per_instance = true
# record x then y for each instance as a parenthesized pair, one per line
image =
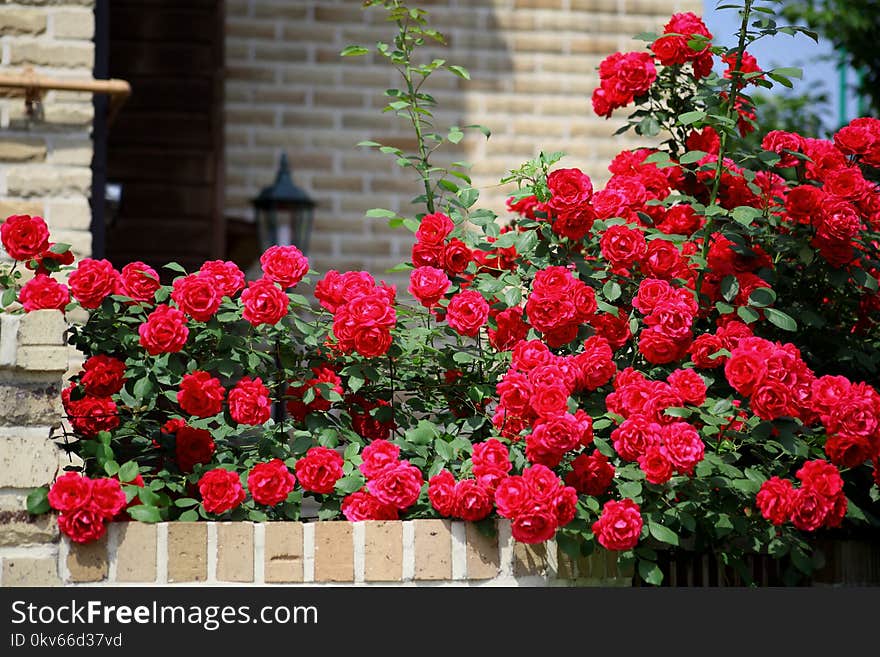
(166, 145)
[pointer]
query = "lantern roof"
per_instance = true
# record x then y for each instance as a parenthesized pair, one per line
(283, 190)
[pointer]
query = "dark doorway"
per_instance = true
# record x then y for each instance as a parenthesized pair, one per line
(165, 147)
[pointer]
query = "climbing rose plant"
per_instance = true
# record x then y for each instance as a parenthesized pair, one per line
(679, 359)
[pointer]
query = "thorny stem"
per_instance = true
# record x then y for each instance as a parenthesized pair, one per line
(731, 114)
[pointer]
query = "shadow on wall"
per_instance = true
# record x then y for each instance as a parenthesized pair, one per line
(288, 89)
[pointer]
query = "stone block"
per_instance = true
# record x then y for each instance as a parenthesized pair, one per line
(18, 20)
(235, 552)
(42, 358)
(87, 562)
(433, 549)
(383, 551)
(334, 552)
(42, 327)
(49, 53)
(483, 555)
(22, 149)
(187, 552)
(28, 458)
(136, 552)
(30, 404)
(30, 572)
(73, 24)
(283, 552)
(18, 528)
(530, 559)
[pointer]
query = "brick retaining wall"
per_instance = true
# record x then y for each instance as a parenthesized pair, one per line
(413, 553)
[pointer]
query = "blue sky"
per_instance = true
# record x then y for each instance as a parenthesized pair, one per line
(783, 50)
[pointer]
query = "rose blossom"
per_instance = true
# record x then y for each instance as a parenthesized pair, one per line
(139, 281)
(201, 394)
(285, 265)
(43, 292)
(467, 312)
(270, 483)
(619, 526)
(70, 491)
(249, 402)
(82, 525)
(264, 302)
(165, 331)
(107, 497)
(228, 277)
(191, 447)
(428, 285)
(774, 500)
(197, 296)
(472, 501)
(441, 492)
(93, 281)
(221, 490)
(24, 237)
(397, 485)
(536, 523)
(103, 375)
(361, 505)
(377, 456)
(319, 470)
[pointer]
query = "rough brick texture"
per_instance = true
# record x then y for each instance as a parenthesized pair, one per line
(283, 552)
(40, 171)
(533, 66)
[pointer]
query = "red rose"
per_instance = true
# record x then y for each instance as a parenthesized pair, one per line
(534, 524)
(456, 256)
(634, 74)
(634, 436)
(82, 525)
(530, 354)
(398, 485)
(683, 446)
(772, 400)
(467, 312)
(491, 455)
(779, 141)
(70, 491)
(249, 402)
(550, 400)
(319, 470)
(201, 394)
(377, 456)
(43, 292)
(441, 492)
(434, 228)
(424, 254)
(574, 223)
(24, 237)
(90, 415)
(192, 446)
(512, 495)
(107, 497)
(363, 506)
(103, 375)
(702, 350)
(622, 246)
(264, 302)
(197, 296)
(472, 501)
(510, 330)
(619, 526)
(298, 409)
(591, 474)
(855, 139)
(270, 483)
(428, 285)
(92, 281)
(543, 483)
(285, 265)
(221, 490)
(848, 451)
(570, 188)
(565, 505)
(139, 281)
(165, 331)
(688, 386)
(746, 370)
(774, 500)
(809, 509)
(820, 476)
(228, 277)
(656, 465)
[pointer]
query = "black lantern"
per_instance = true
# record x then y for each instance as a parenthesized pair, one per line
(284, 212)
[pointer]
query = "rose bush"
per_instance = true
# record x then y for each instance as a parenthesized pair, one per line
(678, 360)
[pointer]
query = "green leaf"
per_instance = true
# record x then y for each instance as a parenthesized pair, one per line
(611, 290)
(745, 214)
(630, 489)
(662, 534)
(38, 501)
(59, 247)
(353, 51)
(790, 71)
(455, 135)
(780, 319)
(145, 513)
(762, 297)
(111, 467)
(185, 502)
(189, 516)
(729, 287)
(128, 471)
(691, 157)
(459, 71)
(747, 315)
(8, 296)
(380, 212)
(691, 117)
(650, 572)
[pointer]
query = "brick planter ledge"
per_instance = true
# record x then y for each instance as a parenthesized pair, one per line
(385, 553)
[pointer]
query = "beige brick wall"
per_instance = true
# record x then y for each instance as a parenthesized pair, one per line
(45, 164)
(533, 67)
